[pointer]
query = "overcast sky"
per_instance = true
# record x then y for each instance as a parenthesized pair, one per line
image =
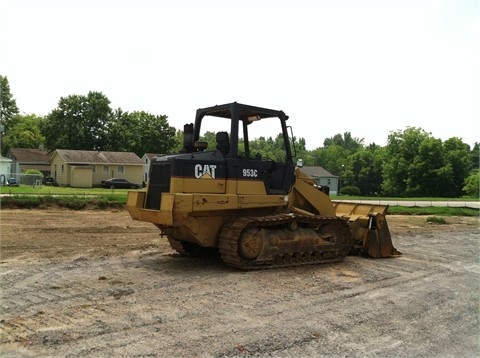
(364, 67)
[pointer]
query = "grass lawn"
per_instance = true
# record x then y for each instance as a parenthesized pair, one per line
(25, 196)
(59, 190)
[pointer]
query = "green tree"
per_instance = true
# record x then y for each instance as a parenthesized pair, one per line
(120, 132)
(79, 122)
(24, 133)
(428, 174)
(472, 184)
(210, 138)
(365, 169)
(475, 156)
(456, 155)
(301, 150)
(178, 141)
(420, 165)
(141, 132)
(346, 141)
(401, 150)
(268, 148)
(334, 158)
(8, 105)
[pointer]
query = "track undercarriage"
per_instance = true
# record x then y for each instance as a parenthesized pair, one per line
(252, 243)
(292, 239)
(281, 240)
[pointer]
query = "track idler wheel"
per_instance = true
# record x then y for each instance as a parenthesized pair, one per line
(250, 244)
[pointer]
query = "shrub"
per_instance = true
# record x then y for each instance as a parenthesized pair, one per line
(70, 202)
(472, 184)
(32, 172)
(436, 220)
(22, 202)
(75, 202)
(350, 190)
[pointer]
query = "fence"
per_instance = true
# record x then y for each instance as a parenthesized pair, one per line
(14, 179)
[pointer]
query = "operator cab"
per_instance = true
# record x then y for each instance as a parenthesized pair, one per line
(226, 130)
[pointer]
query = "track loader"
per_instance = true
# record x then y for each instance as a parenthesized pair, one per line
(256, 211)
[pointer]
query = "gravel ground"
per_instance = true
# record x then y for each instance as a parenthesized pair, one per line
(97, 284)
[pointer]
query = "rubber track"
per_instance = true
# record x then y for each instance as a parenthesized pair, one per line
(231, 232)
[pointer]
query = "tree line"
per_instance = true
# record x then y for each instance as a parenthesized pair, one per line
(412, 164)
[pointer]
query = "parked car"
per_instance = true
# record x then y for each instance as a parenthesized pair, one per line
(12, 182)
(48, 181)
(117, 183)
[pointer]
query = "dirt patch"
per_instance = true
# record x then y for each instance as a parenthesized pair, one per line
(97, 283)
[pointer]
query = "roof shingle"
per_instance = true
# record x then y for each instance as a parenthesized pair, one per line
(98, 157)
(29, 155)
(317, 172)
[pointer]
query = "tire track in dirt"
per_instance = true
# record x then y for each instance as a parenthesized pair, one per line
(145, 301)
(305, 304)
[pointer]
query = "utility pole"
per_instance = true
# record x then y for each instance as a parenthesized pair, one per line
(340, 179)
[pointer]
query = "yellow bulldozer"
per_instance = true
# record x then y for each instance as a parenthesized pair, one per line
(257, 212)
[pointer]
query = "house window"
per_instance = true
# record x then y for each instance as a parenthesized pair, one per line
(146, 160)
(121, 169)
(62, 168)
(94, 169)
(328, 181)
(105, 169)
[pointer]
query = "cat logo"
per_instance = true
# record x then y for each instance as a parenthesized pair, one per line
(206, 171)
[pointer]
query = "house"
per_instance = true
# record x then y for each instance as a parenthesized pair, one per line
(323, 178)
(29, 158)
(87, 168)
(5, 164)
(147, 159)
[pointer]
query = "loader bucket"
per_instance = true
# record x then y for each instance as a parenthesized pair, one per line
(369, 228)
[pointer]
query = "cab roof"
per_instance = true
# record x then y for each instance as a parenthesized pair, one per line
(243, 112)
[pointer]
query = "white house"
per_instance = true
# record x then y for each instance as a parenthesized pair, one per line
(5, 164)
(323, 178)
(147, 159)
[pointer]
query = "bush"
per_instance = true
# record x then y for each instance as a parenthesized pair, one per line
(472, 185)
(436, 220)
(75, 203)
(22, 202)
(350, 190)
(49, 199)
(32, 172)
(69, 202)
(102, 203)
